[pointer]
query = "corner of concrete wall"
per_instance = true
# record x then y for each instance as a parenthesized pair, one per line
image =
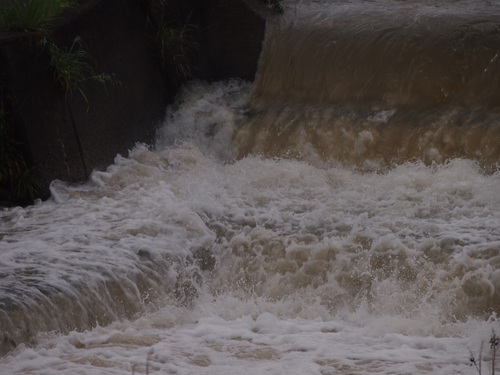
(233, 32)
(67, 137)
(41, 123)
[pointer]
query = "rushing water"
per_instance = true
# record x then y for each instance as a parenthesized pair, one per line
(340, 215)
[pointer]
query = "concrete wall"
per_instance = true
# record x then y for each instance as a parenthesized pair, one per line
(66, 137)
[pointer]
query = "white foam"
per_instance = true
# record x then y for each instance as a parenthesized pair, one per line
(318, 269)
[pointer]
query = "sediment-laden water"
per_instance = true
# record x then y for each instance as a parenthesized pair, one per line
(339, 215)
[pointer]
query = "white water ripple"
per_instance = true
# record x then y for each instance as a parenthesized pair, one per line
(187, 261)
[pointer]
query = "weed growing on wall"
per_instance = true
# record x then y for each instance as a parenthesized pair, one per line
(32, 15)
(73, 67)
(175, 41)
(275, 5)
(176, 48)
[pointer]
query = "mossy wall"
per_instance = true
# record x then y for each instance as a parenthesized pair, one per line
(67, 137)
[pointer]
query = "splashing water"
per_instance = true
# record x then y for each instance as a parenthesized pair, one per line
(212, 254)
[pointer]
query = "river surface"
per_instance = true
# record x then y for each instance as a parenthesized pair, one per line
(339, 215)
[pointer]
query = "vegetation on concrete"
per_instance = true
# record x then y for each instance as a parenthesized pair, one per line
(176, 43)
(275, 5)
(32, 15)
(176, 46)
(73, 67)
(17, 181)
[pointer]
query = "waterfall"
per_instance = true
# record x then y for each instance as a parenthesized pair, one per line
(338, 215)
(373, 85)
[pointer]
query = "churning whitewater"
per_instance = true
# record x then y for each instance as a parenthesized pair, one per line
(242, 243)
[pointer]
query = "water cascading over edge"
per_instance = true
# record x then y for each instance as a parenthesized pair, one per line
(370, 86)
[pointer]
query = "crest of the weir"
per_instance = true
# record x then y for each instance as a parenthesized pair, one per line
(370, 85)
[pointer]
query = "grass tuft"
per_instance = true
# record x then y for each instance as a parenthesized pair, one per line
(32, 15)
(275, 5)
(73, 67)
(176, 41)
(176, 48)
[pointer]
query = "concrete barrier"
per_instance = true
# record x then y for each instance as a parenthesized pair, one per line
(66, 137)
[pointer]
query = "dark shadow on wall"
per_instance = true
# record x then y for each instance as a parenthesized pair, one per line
(67, 136)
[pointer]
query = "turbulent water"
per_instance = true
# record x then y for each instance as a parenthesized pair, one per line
(339, 215)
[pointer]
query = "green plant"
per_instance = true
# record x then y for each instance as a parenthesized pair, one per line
(275, 5)
(32, 15)
(73, 67)
(176, 46)
(176, 41)
(17, 181)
